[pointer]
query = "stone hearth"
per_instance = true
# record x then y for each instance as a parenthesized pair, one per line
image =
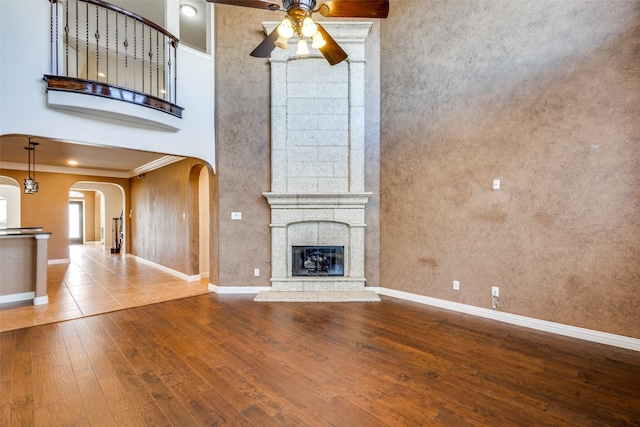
(317, 195)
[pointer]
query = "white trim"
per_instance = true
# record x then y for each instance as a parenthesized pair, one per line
(112, 109)
(17, 297)
(59, 261)
(41, 300)
(237, 289)
(155, 164)
(514, 319)
(194, 278)
(66, 170)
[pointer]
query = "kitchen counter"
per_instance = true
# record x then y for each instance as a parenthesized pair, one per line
(23, 265)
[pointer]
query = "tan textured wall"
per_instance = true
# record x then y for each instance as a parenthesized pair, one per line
(89, 216)
(244, 147)
(545, 96)
(164, 220)
(96, 215)
(49, 207)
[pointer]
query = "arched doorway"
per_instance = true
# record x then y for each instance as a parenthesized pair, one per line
(108, 204)
(9, 202)
(200, 221)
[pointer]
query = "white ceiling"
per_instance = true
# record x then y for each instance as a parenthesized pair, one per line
(52, 156)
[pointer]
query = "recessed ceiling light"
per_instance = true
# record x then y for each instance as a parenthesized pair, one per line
(188, 10)
(72, 162)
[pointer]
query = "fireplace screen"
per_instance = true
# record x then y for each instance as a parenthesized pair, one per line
(317, 260)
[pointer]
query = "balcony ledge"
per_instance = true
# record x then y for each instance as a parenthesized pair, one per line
(114, 102)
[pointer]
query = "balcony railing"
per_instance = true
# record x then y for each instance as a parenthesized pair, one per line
(101, 49)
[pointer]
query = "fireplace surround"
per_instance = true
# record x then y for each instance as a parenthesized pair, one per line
(318, 195)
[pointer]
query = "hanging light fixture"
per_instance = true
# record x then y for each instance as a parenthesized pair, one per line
(30, 184)
(302, 26)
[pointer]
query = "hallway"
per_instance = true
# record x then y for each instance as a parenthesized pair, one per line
(94, 282)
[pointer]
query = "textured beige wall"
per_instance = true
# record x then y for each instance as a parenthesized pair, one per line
(545, 96)
(90, 216)
(164, 219)
(243, 146)
(49, 207)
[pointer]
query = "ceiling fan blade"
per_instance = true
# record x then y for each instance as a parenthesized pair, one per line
(264, 49)
(332, 50)
(354, 9)
(258, 4)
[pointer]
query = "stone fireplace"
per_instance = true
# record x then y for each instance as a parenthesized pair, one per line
(317, 195)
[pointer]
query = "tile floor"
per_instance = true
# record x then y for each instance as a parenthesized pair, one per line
(94, 282)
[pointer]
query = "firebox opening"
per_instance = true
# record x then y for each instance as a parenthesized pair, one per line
(317, 260)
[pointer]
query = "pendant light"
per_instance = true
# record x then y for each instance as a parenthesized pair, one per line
(30, 184)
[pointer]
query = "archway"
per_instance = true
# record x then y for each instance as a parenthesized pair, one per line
(9, 202)
(110, 204)
(200, 221)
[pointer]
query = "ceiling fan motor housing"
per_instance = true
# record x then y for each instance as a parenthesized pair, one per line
(307, 5)
(297, 11)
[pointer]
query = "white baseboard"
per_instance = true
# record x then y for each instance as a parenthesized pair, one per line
(59, 261)
(194, 278)
(528, 322)
(237, 289)
(24, 296)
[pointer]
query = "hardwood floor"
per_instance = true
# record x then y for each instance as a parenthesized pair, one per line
(226, 360)
(96, 281)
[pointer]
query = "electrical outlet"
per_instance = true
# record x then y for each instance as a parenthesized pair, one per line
(495, 291)
(456, 285)
(256, 272)
(496, 184)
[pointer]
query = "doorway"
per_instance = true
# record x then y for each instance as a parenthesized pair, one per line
(76, 223)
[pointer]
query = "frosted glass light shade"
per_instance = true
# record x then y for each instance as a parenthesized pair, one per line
(303, 49)
(318, 41)
(285, 29)
(308, 27)
(282, 43)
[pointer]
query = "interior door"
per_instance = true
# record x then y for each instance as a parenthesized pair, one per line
(76, 235)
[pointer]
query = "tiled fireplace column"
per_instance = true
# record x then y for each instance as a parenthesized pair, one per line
(317, 193)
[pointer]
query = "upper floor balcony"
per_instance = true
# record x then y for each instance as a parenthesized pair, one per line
(104, 50)
(90, 72)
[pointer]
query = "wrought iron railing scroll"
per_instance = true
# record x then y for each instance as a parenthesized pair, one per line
(101, 49)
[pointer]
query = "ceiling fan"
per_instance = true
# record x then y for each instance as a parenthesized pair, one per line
(298, 22)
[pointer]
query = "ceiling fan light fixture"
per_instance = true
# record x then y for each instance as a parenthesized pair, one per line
(308, 27)
(303, 49)
(318, 41)
(285, 29)
(188, 10)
